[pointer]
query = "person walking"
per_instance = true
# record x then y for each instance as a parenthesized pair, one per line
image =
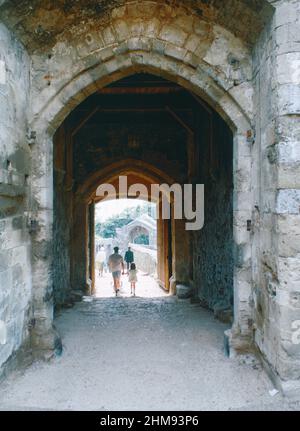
(100, 260)
(132, 278)
(116, 266)
(129, 258)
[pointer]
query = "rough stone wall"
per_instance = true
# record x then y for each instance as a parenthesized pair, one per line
(153, 34)
(213, 245)
(276, 245)
(208, 59)
(62, 222)
(170, 42)
(42, 24)
(15, 260)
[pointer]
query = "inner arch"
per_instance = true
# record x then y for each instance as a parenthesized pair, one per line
(152, 130)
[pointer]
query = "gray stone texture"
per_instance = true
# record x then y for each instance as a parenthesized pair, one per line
(15, 260)
(243, 59)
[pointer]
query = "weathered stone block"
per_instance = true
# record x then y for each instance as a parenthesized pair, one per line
(286, 13)
(289, 152)
(136, 27)
(175, 52)
(185, 22)
(288, 176)
(242, 201)
(152, 28)
(2, 72)
(288, 68)
(183, 292)
(121, 30)
(192, 43)
(243, 94)
(173, 34)
(289, 99)
(289, 273)
(108, 36)
(287, 38)
(288, 224)
(158, 46)
(289, 245)
(106, 53)
(288, 201)
(192, 60)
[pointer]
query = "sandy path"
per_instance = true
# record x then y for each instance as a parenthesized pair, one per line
(139, 354)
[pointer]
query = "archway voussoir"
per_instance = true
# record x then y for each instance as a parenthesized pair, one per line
(191, 60)
(107, 53)
(175, 52)
(109, 36)
(139, 44)
(173, 34)
(136, 27)
(121, 30)
(152, 28)
(120, 49)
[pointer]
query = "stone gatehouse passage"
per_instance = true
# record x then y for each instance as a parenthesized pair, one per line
(158, 92)
(153, 131)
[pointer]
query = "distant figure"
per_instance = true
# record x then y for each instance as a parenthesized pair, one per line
(100, 260)
(116, 266)
(132, 278)
(129, 258)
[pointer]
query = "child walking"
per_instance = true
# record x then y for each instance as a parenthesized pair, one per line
(132, 278)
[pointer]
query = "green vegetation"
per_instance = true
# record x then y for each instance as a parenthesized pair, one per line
(109, 227)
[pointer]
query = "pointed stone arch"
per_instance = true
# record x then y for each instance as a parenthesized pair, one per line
(224, 87)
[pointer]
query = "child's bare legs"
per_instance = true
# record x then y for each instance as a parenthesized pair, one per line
(117, 281)
(133, 288)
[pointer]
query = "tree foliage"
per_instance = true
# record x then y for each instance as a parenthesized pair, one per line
(109, 228)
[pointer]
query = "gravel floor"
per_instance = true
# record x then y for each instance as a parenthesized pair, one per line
(141, 354)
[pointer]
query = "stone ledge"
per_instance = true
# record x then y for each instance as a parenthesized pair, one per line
(183, 291)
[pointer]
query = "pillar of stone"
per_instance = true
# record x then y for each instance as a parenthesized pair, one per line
(91, 254)
(287, 141)
(241, 333)
(180, 252)
(44, 338)
(276, 220)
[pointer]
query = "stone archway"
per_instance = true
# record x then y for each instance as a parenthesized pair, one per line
(138, 232)
(55, 54)
(224, 87)
(85, 199)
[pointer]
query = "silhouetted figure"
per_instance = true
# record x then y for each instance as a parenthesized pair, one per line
(129, 258)
(116, 266)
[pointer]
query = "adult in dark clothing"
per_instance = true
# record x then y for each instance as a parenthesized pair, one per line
(129, 258)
